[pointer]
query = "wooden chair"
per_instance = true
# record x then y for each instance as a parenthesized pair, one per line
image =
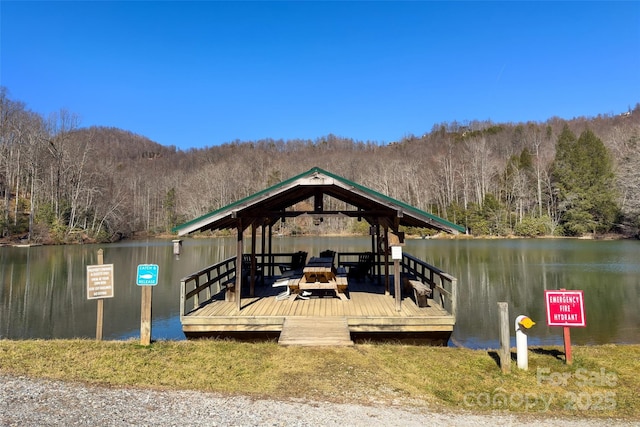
(328, 254)
(361, 269)
(246, 270)
(298, 261)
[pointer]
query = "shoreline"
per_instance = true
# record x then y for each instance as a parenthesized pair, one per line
(440, 236)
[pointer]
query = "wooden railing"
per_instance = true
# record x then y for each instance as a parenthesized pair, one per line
(343, 258)
(199, 287)
(216, 278)
(443, 285)
(210, 281)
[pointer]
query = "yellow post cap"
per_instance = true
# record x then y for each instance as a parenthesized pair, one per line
(526, 322)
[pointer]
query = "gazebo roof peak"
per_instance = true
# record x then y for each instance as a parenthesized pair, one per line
(271, 204)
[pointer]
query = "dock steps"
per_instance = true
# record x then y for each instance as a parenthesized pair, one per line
(315, 331)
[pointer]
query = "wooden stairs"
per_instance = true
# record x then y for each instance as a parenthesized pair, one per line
(315, 331)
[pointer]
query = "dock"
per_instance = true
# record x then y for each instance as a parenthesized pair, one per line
(367, 313)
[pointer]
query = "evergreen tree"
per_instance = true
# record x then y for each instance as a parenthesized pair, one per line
(171, 219)
(584, 184)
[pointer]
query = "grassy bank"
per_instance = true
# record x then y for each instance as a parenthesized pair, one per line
(602, 382)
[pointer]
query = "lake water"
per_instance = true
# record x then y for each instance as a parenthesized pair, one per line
(43, 289)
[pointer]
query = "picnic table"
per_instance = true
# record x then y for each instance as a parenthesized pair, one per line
(319, 274)
(319, 270)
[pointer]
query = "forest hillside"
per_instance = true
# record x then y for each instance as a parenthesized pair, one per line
(61, 182)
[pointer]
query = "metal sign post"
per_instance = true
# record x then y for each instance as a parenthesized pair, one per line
(566, 309)
(147, 277)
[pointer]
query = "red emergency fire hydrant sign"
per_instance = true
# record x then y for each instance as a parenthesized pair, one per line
(565, 308)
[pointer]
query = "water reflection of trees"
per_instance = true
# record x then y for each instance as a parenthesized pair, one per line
(518, 272)
(43, 289)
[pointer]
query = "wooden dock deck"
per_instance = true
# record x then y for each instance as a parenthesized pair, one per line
(367, 311)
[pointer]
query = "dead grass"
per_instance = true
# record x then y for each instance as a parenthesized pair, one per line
(602, 382)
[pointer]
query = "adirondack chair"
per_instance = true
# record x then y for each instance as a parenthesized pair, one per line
(298, 260)
(246, 270)
(361, 269)
(328, 254)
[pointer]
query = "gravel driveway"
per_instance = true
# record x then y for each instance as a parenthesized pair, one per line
(35, 402)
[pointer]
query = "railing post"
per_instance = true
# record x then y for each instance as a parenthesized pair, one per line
(196, 297)
(183, 294)
(454, 297)
(208, 293)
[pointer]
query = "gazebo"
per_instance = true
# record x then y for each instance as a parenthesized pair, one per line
(317, 187)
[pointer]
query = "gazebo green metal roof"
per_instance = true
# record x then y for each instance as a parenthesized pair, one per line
(277, 202)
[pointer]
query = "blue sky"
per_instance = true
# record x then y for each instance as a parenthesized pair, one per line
(195, 74)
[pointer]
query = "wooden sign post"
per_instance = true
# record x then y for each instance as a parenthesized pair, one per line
(396, 256)
(147, 277)
(505, 338)
(145, 315)
(566, 309)
(100, 286)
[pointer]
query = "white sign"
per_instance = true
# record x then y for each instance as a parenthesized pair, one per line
(396, 253)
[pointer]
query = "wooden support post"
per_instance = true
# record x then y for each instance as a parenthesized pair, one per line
(270, 250)
(99, 319)
(145, 315)
(396, 283)
(100, 307)
(386, 260)
(376, 249)
(252, 274)
(239, 249)
(505, 338)
(263, 249)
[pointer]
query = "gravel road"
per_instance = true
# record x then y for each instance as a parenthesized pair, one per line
(36, 402)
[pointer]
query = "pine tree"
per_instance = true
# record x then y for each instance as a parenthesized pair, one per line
(584, 184)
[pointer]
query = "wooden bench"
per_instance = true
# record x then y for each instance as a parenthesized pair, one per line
(230, 286)
(342, 284)
(421, 292)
